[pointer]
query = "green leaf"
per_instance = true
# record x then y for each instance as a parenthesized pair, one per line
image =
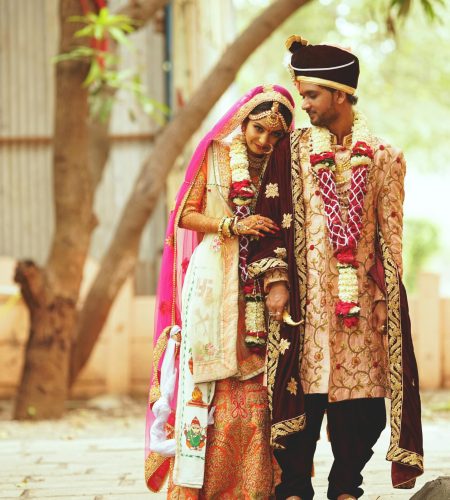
(87, 31)
(103, 15)
(125, 74)
(120, 18)
(99, 32)
(94, 73)
(76, 54)
(91, 18)
(119, 36)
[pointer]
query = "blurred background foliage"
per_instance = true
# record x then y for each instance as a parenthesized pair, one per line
(403, 90)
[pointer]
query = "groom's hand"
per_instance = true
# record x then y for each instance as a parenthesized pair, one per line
(379, 316)
(276, 299)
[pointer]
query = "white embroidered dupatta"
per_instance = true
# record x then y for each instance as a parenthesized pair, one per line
(210, 326)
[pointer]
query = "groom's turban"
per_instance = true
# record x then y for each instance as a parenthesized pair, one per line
(324, 65)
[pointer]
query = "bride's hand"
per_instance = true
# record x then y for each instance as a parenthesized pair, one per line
(254, 224)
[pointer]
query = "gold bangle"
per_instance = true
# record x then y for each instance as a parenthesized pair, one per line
(220, 228)
(233, 226)
(226, 227)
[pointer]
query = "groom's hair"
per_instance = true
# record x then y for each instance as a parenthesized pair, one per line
(352, 99)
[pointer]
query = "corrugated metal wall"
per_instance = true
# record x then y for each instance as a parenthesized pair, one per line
(28, 40)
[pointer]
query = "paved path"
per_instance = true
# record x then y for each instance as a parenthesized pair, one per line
(98, 454)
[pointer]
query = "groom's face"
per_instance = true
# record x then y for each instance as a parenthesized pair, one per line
(319, 103)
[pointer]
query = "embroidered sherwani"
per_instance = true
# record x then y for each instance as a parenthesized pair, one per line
(321, 355)
(348, 364)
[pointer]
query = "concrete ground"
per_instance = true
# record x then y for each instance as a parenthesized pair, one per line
(96, 451)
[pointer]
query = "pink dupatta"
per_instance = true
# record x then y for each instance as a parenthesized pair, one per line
(179, 245)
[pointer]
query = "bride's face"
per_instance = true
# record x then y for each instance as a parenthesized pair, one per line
(260, 136)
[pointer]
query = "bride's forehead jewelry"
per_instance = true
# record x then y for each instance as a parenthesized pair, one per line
(273, 115)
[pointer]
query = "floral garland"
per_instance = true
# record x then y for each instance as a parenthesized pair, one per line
(344, 237)
(242, 193)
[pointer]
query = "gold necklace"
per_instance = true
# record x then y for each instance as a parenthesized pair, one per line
(343, 171)
(256, 162)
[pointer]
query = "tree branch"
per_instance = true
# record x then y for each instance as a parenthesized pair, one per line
(120, 259)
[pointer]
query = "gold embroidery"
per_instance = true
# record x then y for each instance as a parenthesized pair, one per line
(394, 332)
(292, 386)
(273, 341)
(152, 464)
(169, 241)
(272, 190)
(284, 345)
(238, 440)
(299, 233)
(196, 200)
(158, 351)
(285, 428)
(280, 252)
(259, 267)
(287, 220)
(273, 276)
(221, 153)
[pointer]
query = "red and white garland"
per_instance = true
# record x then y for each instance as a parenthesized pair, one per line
(242, 190)
(242, 193)
(344, 237)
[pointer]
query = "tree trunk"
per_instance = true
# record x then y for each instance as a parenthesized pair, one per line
(81, 149)
(120, 259)
(43, 389)
(51, 294)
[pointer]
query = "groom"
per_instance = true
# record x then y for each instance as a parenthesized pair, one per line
(337, 193)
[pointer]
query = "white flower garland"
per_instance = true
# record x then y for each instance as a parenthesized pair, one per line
(348, 284)
(322, 157)
(242, 193)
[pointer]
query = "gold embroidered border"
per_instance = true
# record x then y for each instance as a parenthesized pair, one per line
(299, 227)
(394, 331)
(222, 173)
(285, 428)
(158, 351)
(258, 268)
(152, 464)
(273, 341)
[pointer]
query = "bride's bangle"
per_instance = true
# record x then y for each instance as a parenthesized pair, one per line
(226, 231)
(224, 227)
(233, 226)
(220, 228)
